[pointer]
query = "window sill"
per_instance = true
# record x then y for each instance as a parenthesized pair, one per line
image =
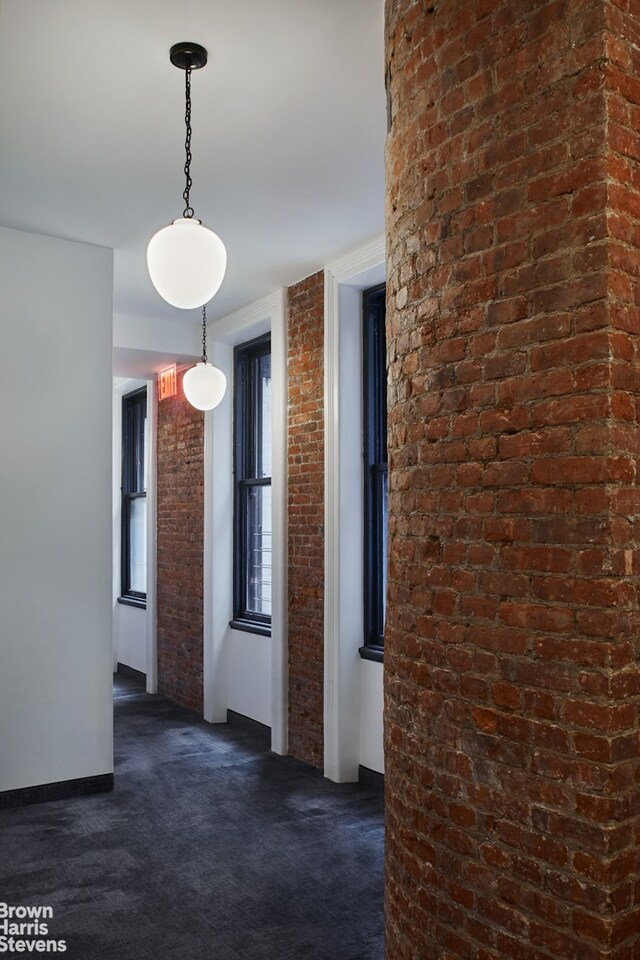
(251, 626)
(372, 653)
(133, 602)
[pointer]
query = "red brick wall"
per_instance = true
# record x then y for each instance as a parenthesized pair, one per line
(512, 685)
(180, 550)
(306, 519)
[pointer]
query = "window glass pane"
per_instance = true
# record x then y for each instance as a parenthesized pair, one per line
(145, 453)
(383, 539)
(139, 449)
(264, 419)
(258, 528)
(253, 465)
(138, 544)
(375, 458)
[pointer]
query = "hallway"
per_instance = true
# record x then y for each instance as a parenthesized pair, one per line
(210, 848)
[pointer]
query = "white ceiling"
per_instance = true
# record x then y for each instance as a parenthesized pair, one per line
(288, 120)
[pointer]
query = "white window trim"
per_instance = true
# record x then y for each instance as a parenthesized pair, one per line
(263, 316)
(122, 386)
(344, 280)
(152, 538)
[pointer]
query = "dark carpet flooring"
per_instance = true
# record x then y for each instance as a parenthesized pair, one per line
(210, 848)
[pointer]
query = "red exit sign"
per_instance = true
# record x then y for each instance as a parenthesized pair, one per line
(167, 382)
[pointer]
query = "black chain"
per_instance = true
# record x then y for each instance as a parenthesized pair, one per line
(188, 210)
(204, 333)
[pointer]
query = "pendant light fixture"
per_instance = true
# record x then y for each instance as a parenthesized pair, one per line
(204, 385)
(186, 260)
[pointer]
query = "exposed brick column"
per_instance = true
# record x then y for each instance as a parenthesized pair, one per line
(180, 550)
(512, 685)
(306, 519)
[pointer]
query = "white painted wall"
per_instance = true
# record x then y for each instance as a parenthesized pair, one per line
(132, 636)
(171, 338)
(250, 675)
(144, 345)
(55, 530)
(371, 715)
(152, 537)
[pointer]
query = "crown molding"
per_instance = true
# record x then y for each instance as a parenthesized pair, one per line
(264, 309)
(356, 261)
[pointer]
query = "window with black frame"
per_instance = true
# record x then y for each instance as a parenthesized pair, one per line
(134, 500)
(252, 481)
(375, 470)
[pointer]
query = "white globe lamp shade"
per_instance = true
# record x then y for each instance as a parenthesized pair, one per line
(204, 386)
(186, 263)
